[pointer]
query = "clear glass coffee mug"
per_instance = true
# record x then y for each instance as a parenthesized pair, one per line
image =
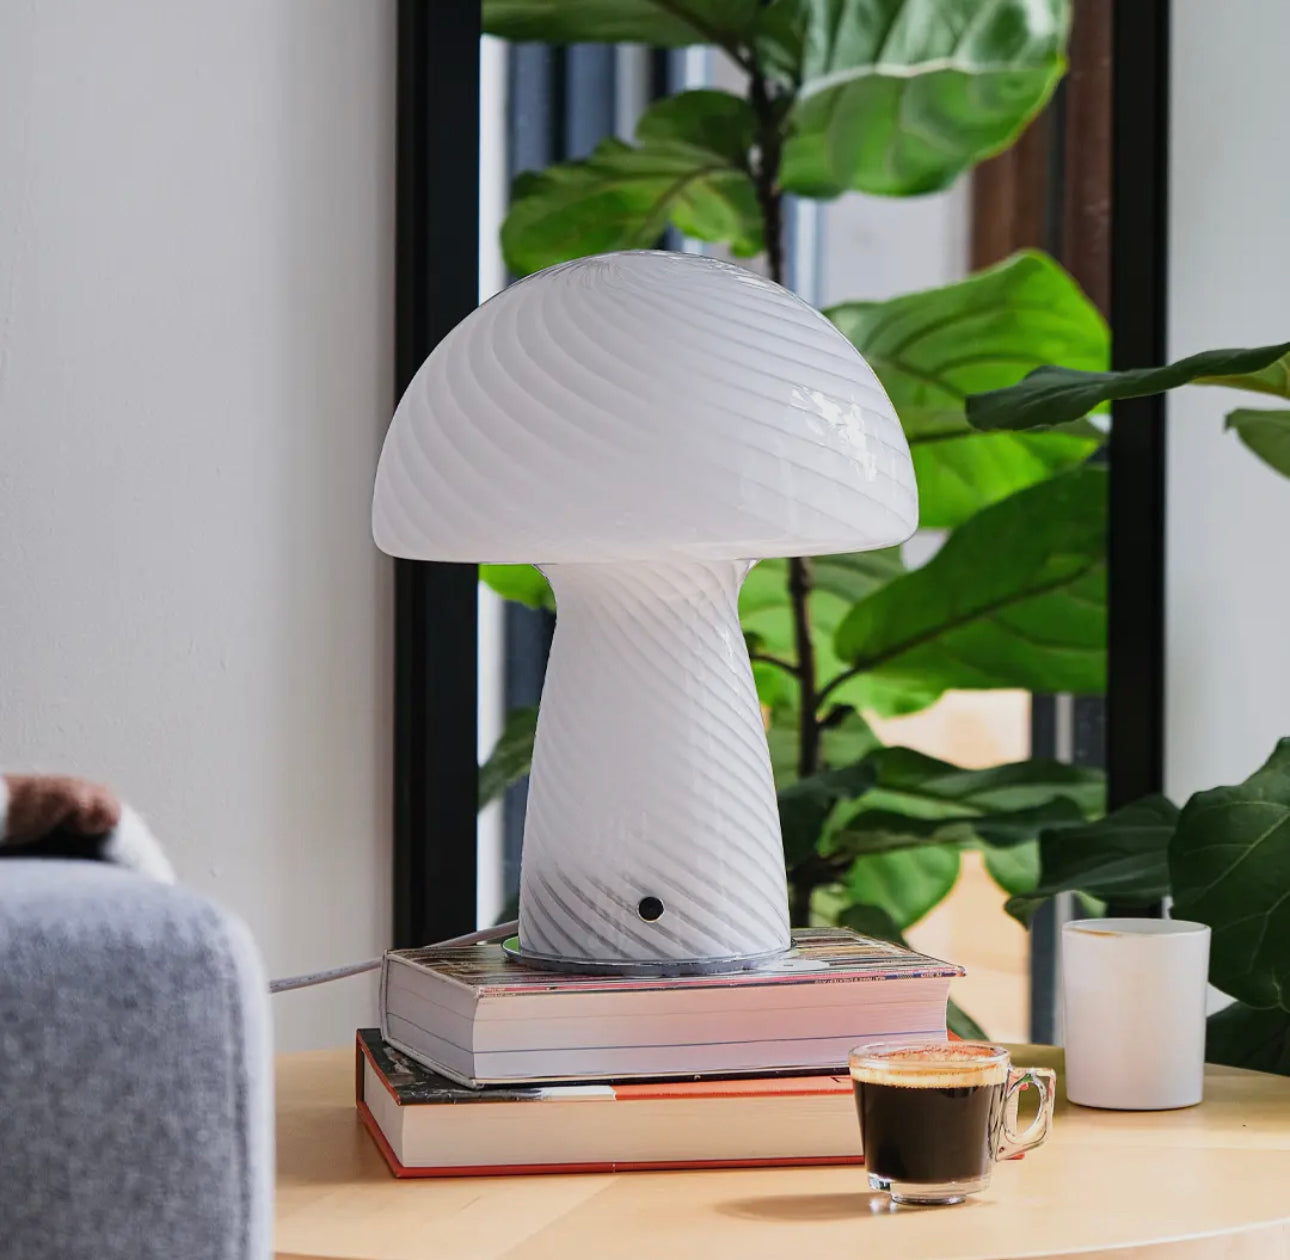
(935, 1118)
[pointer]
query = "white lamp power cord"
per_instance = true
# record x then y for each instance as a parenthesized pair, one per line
(286, 983)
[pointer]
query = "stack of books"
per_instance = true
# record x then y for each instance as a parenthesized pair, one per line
(746, 1068)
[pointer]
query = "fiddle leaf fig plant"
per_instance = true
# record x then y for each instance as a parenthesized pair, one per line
(898, 98)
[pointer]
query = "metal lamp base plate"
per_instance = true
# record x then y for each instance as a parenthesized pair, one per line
(654, 967)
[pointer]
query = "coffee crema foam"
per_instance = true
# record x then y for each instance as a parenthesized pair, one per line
(950, 1066)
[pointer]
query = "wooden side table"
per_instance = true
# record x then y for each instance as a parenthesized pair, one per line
(1208, 1183)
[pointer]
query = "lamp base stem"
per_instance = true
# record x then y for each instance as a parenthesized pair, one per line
(652, 834)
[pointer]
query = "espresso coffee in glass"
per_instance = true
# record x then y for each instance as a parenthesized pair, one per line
(935, 1117)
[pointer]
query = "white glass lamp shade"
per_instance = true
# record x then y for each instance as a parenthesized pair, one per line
(643, 426)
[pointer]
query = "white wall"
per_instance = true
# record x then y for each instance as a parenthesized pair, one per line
(196, 271)
(1228, 683)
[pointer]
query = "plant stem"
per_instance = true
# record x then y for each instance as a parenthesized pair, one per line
(766, 171)
(808, 731)
(769, 196)
(799, 901)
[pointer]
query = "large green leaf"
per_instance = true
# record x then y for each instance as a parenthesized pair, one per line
(875, 831)
(1266, 433)
(664, 23)
(916, 800)
(522, 583)
(1055, 395)
(1230, 863)
(903, 96)
(1015, 598)
(1121, 858)
(932, 349)
(839, 581)
(1242, 1037)
(804, 805)
(1016, 868)
(511, 757)
(689, 167)
(923, 786)
(905, 883)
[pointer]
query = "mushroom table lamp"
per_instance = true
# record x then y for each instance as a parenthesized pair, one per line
(644, 426)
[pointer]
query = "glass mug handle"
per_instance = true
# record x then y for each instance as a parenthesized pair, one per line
(1045, 1081)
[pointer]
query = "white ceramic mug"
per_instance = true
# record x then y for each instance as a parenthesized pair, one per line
(1133, 994)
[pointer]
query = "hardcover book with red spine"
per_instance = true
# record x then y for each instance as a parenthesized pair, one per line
(427, 1126)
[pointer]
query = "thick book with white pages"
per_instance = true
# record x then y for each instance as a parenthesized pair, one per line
(479, 1018)
(426, 1126)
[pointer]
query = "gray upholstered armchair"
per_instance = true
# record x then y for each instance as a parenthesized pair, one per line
(135, 1108)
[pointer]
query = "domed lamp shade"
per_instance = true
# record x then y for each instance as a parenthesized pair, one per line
(644, 426)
